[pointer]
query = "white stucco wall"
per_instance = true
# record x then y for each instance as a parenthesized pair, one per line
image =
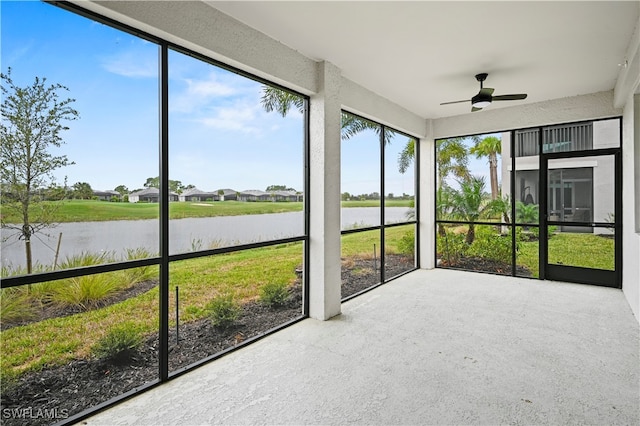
(631, 203)
(324, 198)
(427, 199)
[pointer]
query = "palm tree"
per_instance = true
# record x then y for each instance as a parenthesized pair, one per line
(451, 159)
(274, 99)
(489, 147)
(469, 204)
(444, 205)
(526, 213)
(281, 101)
(405, 159)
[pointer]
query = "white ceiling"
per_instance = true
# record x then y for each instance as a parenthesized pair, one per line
(421, 53)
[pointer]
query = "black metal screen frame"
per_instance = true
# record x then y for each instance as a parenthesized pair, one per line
(382, 227)
(580, 275)
(164, 259)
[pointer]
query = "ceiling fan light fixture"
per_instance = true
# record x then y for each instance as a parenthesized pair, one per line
(480, 100)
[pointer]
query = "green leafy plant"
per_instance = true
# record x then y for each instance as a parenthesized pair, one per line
(526, 213)
(452, 247)
(407, 243)
(492, 245)
(119, 344)
(470, 204)
(274, 294)
(223, 311)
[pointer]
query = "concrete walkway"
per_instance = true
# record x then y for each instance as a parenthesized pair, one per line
(432, 347)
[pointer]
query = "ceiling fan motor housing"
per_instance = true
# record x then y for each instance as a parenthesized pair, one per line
(481, 100)
(481, 77)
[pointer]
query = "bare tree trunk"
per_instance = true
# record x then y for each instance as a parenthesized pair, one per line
(471, 234)
(26, 233)
(493, 173)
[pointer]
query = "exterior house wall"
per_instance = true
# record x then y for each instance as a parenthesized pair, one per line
(631, 203)
(606, 134)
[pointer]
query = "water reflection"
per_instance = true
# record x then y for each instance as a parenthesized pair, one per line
(185, 234)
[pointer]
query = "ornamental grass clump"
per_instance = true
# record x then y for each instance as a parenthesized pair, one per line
(274, 294)
(119, 345)
(87, 291)
(15, 305)
(223, 311)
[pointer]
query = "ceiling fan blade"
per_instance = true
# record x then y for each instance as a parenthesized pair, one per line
(513, 97)
(455, 102)
(486, 91)
(474, 109)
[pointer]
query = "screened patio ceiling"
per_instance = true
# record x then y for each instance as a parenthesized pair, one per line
(420, 54)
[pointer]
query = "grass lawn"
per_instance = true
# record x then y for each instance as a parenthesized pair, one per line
(91, 210)
(55, 341)
(584, 250)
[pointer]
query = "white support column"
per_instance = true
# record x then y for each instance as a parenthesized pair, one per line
(324, 233)
(427, 164)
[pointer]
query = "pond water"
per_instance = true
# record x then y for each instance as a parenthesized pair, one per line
(185, 235)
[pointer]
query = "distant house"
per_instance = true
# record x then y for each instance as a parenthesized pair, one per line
(195, 194)
(107, 195)
(227, 194)
(149, 195)
(258, 195)
(287, 196)
(254, 195)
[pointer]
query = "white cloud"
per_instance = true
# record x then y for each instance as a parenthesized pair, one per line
(239, 117)
(192, 95)
(209, 88)
(132, 64)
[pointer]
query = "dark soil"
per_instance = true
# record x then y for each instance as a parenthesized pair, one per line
(478, 264)
(53, 394)
(360, 274)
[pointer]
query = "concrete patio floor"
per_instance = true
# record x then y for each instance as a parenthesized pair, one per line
(432, 347)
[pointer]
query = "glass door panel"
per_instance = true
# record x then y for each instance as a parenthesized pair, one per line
(580, 219)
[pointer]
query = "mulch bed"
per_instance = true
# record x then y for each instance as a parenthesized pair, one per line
(478, 264)
(53, 394)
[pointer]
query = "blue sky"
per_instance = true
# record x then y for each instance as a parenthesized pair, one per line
(220, 136)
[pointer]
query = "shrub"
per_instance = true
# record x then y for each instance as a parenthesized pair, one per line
(452, 247)
(407, 243)
(526, 213)
(490, 244)
(223, 311)
(119, 344)
(274, 294)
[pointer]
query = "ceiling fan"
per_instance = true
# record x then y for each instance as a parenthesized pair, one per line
(485, 96)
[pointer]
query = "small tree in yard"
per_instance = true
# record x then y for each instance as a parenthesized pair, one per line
(469, 204)
(31, 125)
(82, 190)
